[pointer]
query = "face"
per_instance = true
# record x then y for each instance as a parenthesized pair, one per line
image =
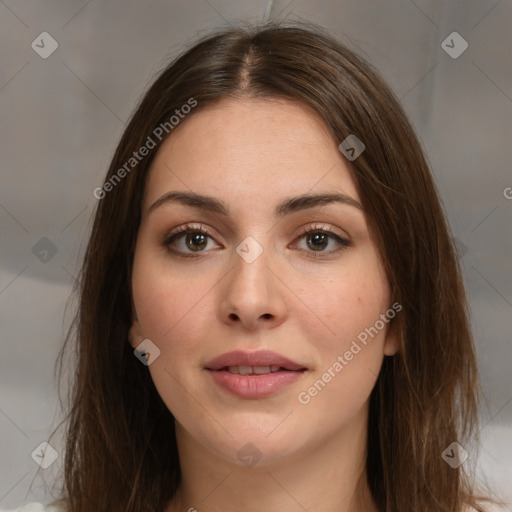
(271, 313)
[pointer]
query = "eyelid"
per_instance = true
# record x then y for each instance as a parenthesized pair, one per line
(190, 227)
(328, 228)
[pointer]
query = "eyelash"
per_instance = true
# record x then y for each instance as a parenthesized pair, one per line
(202, 230)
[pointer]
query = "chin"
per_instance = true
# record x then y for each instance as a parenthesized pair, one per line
(258, 445)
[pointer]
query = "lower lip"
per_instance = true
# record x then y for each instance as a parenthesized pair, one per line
(254, 386)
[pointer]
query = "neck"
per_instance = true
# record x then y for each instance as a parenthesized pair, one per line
(328, 477)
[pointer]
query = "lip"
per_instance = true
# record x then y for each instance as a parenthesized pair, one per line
(259, 358)
(254, 386)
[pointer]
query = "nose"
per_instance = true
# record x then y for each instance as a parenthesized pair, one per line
(252, 294)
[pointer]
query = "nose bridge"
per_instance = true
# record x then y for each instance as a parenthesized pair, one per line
(251, 266)
(251, 291)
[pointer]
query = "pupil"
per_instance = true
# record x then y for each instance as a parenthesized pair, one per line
(317, 238)
(196, 238)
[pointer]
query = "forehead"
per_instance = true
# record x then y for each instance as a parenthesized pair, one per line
(251, 149)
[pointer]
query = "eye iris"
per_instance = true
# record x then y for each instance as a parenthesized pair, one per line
(192, 239)
(319, 241)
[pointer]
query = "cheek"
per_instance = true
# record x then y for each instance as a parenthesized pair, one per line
(346, 304)
(167, 302)
(351, 352)
(171, 308)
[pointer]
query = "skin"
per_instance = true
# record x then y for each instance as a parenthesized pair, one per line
(308, 305)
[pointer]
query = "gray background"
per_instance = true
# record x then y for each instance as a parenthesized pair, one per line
(61, 118)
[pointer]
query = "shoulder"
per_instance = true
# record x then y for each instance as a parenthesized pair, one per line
(36, 507)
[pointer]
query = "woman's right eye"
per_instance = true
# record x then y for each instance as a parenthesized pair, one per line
(188, 241)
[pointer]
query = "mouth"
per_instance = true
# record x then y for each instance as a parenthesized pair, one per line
(255, 370)
(264, 361)
(254, 375)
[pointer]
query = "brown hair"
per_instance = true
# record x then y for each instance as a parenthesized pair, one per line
(121, 452)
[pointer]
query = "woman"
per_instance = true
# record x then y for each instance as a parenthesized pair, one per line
(272, 316)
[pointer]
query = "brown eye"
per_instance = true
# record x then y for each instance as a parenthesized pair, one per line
(188, 240)
(318, 239)
(196, 241)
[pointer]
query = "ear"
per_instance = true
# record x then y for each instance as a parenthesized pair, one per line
(135, 336)
(392, 341)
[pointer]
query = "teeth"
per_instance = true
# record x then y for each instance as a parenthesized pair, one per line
(257, 370)
(245, 370)
(260, 370)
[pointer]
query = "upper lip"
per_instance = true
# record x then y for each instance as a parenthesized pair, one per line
(259, 358)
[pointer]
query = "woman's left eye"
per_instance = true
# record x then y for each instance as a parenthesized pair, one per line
(317, 239)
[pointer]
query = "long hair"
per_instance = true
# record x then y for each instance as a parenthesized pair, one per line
(121, 453)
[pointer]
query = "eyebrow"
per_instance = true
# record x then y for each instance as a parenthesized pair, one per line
(291, 205)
